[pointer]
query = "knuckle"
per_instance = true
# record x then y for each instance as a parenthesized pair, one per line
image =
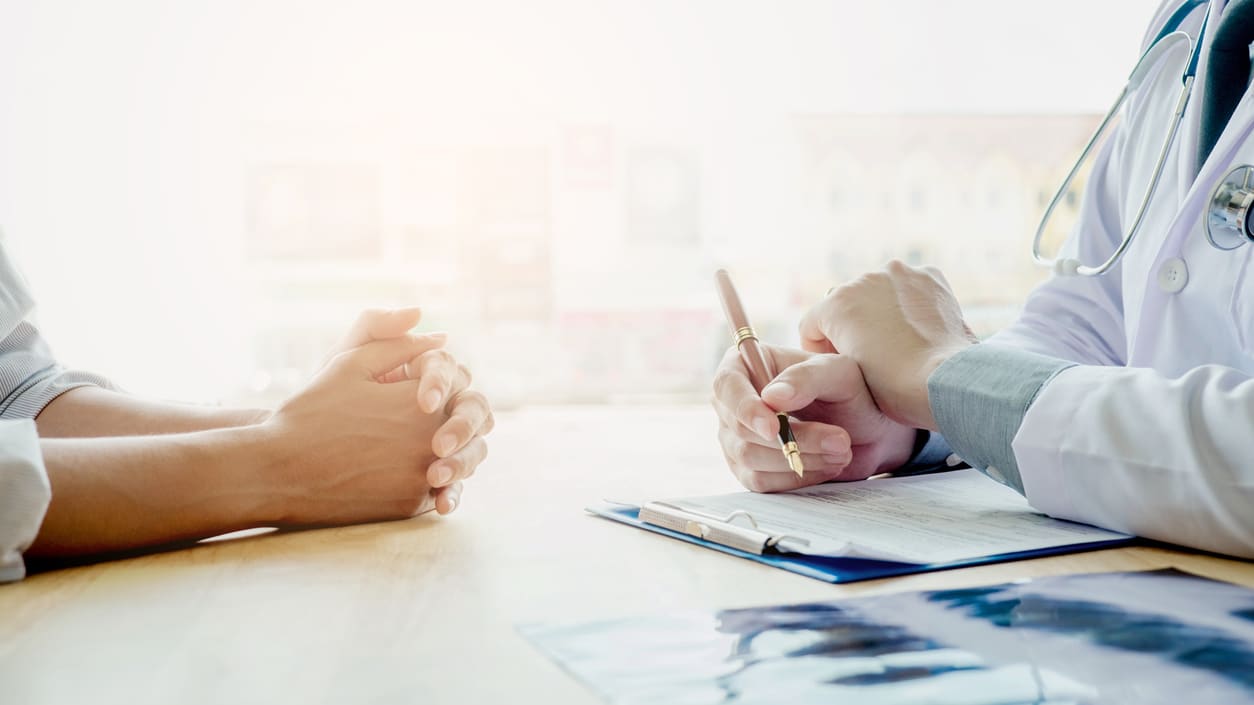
(745, 409)
(456, 464)
(471, 464)
(836, 300)
(341, 359)
(466, 375)
(459, 426)
(467, 421)
(468, 401)
(719, 382)
(753, 481)
(725, 380)
(727, 440)
(434, 359)
(369, 314)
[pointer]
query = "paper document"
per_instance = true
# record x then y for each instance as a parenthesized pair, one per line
(926, 519)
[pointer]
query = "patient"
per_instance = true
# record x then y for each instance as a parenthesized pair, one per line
(387, 429)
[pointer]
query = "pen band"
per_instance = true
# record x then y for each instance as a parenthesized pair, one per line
(745, 333)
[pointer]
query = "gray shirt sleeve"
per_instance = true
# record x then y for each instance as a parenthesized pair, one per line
(979, 398)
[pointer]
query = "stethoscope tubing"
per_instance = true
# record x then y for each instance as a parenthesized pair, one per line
(1068, 266)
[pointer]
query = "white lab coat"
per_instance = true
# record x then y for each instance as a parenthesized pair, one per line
(1153, 433)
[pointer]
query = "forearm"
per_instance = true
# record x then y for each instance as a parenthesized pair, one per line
(91, 412)
(118, 493)
(1124, 448)
(1134, 450)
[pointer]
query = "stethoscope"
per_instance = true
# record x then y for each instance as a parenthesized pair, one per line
(1228, 222)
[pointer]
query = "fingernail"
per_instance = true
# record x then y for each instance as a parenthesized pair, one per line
(452, 504)
(783, 390)
(443, 443)
(835, 444)
(431, 400)
(443, 475)
(763, 427)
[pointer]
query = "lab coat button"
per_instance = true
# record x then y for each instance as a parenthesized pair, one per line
(995, 474)
(1173, 275)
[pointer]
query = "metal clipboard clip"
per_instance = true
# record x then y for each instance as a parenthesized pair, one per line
(724, 530)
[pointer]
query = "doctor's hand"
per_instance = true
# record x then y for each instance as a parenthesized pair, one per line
(841, 433)
(899, 324)
(443, 382)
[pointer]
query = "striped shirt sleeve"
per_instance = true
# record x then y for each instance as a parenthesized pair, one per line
(30, 377)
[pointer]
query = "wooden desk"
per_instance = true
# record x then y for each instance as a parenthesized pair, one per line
(423, 611)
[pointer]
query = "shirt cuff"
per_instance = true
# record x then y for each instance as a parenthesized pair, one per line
(44, 386)
(30, 377)
(24, 494)
(979, 398)
(931, 454)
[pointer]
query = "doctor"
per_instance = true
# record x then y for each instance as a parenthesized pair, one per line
(1123, 396)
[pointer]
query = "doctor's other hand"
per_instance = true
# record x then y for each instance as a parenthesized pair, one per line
(842, 434)
(443, 382)
(899, 324)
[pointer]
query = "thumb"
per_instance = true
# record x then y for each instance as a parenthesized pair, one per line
(827, 378)
(379, 357)
(814, 337)
(380, 324)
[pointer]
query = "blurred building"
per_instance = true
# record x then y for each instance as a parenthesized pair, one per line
(961, 192)
(575, 265)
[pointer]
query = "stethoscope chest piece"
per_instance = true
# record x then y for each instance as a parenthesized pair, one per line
(1228, 218)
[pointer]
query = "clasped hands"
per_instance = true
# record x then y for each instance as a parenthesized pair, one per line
(858, 386)
(387, 429)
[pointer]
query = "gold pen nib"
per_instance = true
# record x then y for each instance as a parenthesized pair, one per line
(794, 458)
(788, 443)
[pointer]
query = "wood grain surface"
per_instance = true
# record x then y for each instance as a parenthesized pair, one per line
(424, 611)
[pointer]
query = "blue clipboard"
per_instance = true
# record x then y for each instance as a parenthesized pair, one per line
(842, 570)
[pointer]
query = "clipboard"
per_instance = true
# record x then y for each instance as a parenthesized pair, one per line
(826, 569)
